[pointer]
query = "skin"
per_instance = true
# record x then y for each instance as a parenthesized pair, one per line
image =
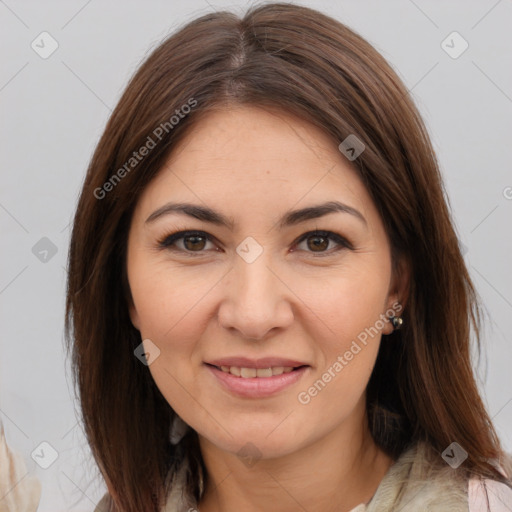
(295, 300)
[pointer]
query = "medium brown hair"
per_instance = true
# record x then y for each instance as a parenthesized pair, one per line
(309, 65)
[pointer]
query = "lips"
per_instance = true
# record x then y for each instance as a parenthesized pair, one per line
(256, 379)
(256, 368)
(248, 373)
(265, 362)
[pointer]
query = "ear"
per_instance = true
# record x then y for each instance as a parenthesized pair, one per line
(134, 315)
(398, 292)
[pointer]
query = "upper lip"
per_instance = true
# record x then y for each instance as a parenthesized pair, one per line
(264, 362)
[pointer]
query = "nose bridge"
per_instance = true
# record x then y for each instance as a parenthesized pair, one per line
(255, 301)
(254, 280)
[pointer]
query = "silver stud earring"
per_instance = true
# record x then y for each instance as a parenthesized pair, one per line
(396, 321)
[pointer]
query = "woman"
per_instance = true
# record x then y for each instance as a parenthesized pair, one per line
(267, 304)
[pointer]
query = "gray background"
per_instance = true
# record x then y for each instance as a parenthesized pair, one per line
(54, 110)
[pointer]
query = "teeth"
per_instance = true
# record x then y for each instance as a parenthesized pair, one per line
(235, 371)
(248, 373)
(263, 372)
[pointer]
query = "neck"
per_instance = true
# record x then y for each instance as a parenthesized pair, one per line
(337, 472)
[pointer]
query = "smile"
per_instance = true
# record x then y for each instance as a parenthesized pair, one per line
(247, 373)
(250, 382)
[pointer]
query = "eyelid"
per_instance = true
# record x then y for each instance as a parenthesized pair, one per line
(342, 242)
(167, 241)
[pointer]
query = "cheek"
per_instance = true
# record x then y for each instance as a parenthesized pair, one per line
(167, 300)
(348, 304)
(349, 311)
(172, 315)
(172, 308)
(347, 352)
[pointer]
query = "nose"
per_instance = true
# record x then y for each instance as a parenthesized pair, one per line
(256, 300)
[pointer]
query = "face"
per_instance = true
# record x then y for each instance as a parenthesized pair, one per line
(267, 322)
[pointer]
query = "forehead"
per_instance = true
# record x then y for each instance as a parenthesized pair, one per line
(247, 160)
(252, 138)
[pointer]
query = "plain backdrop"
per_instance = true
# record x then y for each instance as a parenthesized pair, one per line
(54, 110)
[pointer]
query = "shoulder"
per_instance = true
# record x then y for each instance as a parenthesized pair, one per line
(18, 492)
(489, 495)
(420, 480)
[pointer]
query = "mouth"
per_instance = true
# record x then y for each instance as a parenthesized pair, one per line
(250, 372)
(256, 378)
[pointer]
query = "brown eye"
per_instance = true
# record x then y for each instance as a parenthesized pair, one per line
(194, 242)
(318, 242)
(191, 242)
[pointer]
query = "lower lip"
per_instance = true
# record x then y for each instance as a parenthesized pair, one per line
(257, 387)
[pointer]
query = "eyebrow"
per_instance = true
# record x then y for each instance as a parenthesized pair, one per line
(290, 218)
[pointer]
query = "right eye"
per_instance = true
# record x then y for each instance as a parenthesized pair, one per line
(192, 241)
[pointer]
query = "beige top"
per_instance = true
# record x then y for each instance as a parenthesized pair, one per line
(416, 482)
(19, 491)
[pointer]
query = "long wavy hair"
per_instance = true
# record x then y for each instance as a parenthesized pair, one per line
(307, 64)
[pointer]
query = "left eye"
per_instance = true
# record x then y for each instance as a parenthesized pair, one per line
(321, 239)
(196, 241)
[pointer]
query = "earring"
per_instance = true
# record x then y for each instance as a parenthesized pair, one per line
(396, 321)
(178, 430)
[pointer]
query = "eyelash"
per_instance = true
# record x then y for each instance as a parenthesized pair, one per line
(168, 240)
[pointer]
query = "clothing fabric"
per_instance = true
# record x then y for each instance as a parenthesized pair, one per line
(416, 482)
(19, 491)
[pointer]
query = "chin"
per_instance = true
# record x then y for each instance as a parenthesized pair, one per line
(263, 439)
